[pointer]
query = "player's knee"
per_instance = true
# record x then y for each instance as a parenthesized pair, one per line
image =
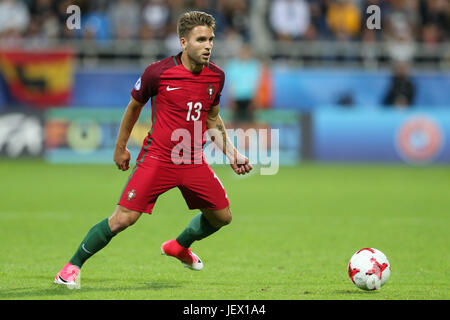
(218, 218)
(119, 224)
(122, 219)
(226, 217)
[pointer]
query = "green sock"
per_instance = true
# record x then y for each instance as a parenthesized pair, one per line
(198, 228)
(95, 240)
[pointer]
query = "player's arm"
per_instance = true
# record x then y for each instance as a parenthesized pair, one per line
(216, 129)
(131, 115)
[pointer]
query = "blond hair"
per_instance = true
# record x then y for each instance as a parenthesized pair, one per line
(191, 19)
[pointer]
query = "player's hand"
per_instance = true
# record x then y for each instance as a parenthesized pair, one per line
(240, 164)
(122, 158)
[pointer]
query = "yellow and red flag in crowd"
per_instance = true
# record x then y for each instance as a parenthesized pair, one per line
(38, 78)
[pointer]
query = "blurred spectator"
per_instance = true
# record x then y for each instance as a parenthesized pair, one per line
(177, 7)
(125, 18)
(289, 19)
(42, 8)
(436, 13)
(212, 7)
(236, 14)
(92, 5)
(172, 41)
(44, 20)
(402, 20)
(155, 18)
(400, 31)
(233, 42)
(96, 26)
(14, 18)
(243, 74)
(432, 35)
(318, 28)
(346, 100)
(435, 27)
(344, 19)
(401, 91)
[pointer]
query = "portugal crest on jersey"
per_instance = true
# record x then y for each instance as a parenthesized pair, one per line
(131, 195)
(210, 91)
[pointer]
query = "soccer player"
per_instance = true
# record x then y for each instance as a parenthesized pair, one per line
(184, 91)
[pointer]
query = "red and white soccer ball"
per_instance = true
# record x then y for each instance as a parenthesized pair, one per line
(369, 269)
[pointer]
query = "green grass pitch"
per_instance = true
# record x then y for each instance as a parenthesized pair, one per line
(291, 237)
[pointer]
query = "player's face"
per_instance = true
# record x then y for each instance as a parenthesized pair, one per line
(198, 44)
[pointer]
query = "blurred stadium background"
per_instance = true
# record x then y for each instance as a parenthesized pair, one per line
(336, 90)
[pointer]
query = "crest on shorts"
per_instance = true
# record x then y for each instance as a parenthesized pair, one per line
(131, 195)
(210, 91)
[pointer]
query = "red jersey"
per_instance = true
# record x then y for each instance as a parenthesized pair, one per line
(180, 103)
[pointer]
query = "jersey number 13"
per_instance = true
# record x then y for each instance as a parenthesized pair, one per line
(194, 111)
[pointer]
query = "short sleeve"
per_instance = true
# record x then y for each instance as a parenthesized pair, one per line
(147, 84)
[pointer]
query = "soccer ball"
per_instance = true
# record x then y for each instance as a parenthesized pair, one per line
(369, 269)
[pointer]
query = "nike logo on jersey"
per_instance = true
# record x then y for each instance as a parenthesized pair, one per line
(171, 89)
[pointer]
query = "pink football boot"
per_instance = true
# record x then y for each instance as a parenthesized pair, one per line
(69, 276)
(185, 255)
